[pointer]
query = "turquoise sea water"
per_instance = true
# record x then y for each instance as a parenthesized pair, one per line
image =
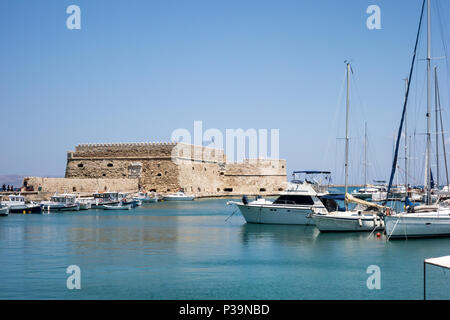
(186, 250)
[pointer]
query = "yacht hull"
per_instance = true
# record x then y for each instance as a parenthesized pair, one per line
(276, 215)
(186, 198)
(330, 223)
(25, 209)
(398, 227)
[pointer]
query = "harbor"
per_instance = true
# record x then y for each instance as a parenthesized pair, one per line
(307, 173)
(186, 250)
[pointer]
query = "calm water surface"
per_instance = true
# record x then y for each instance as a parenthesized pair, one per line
(186, 250)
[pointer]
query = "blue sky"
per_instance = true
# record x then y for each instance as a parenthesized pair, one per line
(137, 70)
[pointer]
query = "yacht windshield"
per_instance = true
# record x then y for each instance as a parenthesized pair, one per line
(294, 199)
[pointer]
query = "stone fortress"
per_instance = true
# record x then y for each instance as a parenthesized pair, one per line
(163, 168)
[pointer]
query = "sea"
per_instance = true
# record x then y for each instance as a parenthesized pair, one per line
(204, 249)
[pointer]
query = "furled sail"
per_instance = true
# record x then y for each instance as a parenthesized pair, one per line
(350, 198)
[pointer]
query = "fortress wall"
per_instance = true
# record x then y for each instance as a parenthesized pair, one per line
(167, 167)
(160, 176)
(108, 150)
(83, 186)
(199, 178)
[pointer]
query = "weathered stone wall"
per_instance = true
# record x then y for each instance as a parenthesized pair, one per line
(167, 167)
(82, 186)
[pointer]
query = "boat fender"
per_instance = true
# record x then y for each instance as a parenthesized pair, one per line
(360, 222)
(244, 200)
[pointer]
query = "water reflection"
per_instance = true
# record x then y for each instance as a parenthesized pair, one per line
(284, 234)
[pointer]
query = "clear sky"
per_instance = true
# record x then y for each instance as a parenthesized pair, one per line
(137, 70)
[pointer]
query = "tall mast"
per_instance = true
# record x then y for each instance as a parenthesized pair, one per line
(365, 156)
(346, 133)
(437, 128)
(428, 175)
(406, 139)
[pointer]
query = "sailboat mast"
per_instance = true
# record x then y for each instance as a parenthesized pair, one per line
(406, 139)
(437, 128)
(365, 156)
(428, 182)
(346, 134)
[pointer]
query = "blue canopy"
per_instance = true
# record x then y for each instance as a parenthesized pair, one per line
(313, 172)
(333, 196)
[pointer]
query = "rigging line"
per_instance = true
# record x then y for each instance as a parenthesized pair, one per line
(333, 131)
(438, 98)
(394, 164)
(443, 38)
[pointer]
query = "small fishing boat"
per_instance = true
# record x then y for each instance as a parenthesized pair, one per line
(132, 202)
(61, 202)
(105, 198)
(118, 207)
(17, 204)
(4, 211)
(178, 196)
(85, 203)
(144, 197)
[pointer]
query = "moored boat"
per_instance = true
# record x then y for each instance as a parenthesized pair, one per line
(17, 204)
(105, 198)
(61, 202)
(294, 206)
(4, 211)
(117, 207)
(145, 197)
(178, 196)
(365, 216)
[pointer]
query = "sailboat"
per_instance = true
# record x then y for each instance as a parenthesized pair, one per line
(366, 216)
(433, 221)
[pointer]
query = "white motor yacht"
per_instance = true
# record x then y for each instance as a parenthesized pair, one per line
(294, 206)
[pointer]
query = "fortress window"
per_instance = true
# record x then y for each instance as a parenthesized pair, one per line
(104, 174)
(159, 174)
(218, 189)
(74, 189)
(199, 189)
(80, 165)
(280, 189)
(168, 190)
(152, 190)
(110, 165)
(282, 167)
(262, 190)
(192, 168)
(221, 173)
(228, 189)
